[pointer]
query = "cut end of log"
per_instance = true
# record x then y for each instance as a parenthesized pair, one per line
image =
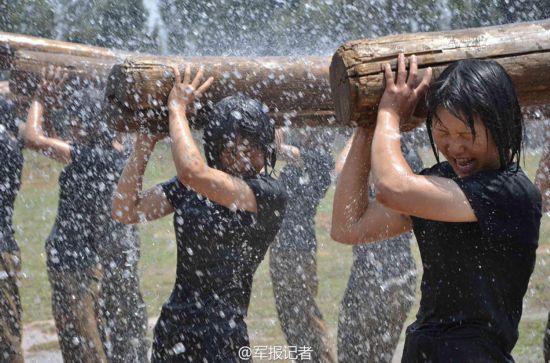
(340, 85)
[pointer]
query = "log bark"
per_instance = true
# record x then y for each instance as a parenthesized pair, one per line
(357, 77)
(294, 90)
(11, 43)
(28, 65)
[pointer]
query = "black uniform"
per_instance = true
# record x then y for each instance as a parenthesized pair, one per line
(293, 263)
(218, 253)
(476, 274)
(11, 154)
(93, 258)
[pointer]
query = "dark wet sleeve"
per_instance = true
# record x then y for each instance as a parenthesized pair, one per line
(318, 166)
(175, 191)
(505, 206)
(79, 153)
(271, 199)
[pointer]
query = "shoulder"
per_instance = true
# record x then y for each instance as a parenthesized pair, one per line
(175, 191)
(267, 187)
(511, 184)
(271, 196)
(442, 169)
(506, 203)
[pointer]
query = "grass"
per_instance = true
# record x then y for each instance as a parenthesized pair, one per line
(35, 212)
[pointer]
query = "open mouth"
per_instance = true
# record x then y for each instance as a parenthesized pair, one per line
(464, 165)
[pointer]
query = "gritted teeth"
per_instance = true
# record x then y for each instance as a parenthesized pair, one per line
(463, 161)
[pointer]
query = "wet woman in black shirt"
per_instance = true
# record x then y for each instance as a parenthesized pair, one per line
(227, 212)
(92, 259)
(476, 216)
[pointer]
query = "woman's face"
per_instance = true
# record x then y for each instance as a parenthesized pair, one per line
(242, 158)
(455, 141)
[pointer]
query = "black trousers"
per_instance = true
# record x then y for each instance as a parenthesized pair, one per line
(424, 348)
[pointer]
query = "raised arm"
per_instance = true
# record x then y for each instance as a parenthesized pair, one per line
(342, 156)
(354, 218)
(192, 170)
(33, 133)
(397, 187)
(130, 204)
(286, 152)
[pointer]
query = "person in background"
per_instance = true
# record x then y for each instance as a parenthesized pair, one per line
(292, 260)
(91, 259)
(383, 273)
(11, 155)
(542, 181)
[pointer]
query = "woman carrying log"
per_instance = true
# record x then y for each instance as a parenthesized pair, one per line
(227, 212)
(92, 260)
(476, 216)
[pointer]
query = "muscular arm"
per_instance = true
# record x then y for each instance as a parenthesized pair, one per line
(34, 137)
(341, 159)
(130, 205)
(397, 187)
(192, 170)
(355, 219)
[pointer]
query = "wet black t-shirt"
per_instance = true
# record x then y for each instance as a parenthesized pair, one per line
(11, 155)
(306, 186)
(84, 226)
(218, 252)
(476, 274)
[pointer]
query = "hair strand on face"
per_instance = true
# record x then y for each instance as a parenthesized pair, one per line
(480, 88)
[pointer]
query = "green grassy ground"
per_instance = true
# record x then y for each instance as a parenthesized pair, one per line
(35, 212)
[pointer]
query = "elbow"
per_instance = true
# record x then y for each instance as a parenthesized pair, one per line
(122, 213)
(188, 174)
(388, 193)
(123, 218)
(340, 235)
(32, 141)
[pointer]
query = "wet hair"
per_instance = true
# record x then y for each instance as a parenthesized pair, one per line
(85, 104)
(8, 117)
(475, 87)
(238, 116)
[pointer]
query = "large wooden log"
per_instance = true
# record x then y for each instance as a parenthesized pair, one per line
(294, 89)
(11, 43)
(356, 73)
(28, 65)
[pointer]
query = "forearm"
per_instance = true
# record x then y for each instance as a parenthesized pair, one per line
(33, 129)
(34, 137)
(389, 167)
(289, 153)
(185, 153)
(351, 197)
(128, 193)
